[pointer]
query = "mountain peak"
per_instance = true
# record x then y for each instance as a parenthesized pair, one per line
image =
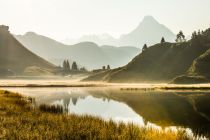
(149, 19)
(149, 31)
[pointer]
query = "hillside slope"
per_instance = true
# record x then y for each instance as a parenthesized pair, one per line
(201, 65)
(87, 54)
(163, 62)
(199, 71)
(15, 57)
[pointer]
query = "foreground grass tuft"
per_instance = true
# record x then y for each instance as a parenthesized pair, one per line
(51, 108)
(20, 121)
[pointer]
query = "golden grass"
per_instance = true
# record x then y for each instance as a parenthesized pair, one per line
(20, 121)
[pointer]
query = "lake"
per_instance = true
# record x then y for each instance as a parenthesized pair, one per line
(158, 108)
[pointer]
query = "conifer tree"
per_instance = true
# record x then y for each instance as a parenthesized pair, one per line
(144, 48)
(104, 68)
(74, 66)
(180, 37)
(67, 65)
(108, 67)
(64, 64)
(162, 40)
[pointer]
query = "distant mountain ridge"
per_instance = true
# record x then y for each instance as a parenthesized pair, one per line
(149, 31)
(14, 57)
(87, 54)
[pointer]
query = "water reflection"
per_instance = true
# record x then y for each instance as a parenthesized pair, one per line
(186, 109)
(107, 109)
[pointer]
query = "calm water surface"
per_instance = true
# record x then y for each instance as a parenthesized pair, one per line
(162, 108)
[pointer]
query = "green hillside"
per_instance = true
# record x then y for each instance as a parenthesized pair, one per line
(164, 61)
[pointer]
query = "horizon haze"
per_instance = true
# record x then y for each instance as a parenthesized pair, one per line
(73, 19)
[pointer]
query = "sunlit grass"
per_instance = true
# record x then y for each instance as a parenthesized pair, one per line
(20, 121)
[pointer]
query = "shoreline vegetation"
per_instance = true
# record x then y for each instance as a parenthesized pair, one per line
(21, 120)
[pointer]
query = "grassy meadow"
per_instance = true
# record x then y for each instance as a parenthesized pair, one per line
(20, 120)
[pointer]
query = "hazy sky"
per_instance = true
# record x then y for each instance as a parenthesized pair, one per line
(62, 19)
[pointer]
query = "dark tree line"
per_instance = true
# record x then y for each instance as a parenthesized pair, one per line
(106, 67)
(74, 67)
(66, 65)
(198, 38)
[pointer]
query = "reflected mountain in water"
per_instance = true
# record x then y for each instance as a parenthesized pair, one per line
(163, 108)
